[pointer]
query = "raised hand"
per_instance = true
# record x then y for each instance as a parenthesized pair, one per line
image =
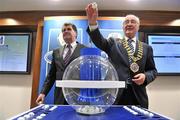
(92, 13)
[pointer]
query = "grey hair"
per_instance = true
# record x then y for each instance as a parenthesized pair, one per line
(137, 18)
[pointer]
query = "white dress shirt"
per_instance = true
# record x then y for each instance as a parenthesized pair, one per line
(73, 46)
(133, 41)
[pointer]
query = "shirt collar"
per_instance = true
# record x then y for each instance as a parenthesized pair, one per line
(73, 44)
(134, 38)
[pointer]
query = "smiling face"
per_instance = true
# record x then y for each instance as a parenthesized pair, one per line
(69, 33)
(131, 26)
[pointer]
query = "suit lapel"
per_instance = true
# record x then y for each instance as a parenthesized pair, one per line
(76, 52)
(136, 50)
(124, 52)
(139, 62)
(60, 54)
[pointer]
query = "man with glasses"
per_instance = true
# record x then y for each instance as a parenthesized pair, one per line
(132, 59)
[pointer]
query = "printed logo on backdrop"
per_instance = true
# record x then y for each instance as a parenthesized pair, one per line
(109, 32)
(60, 42)
(2, 37)
(3, 45)
(52, 39)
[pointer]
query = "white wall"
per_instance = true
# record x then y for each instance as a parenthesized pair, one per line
(15, 92)
(164, 96)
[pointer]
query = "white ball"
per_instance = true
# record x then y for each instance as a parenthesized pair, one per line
(151, 114)
(94, 5)
(39, 117)
(45, 107)
(31, 114)
(21, 118)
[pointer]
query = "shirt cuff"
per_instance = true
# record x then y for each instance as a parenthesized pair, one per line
(93, 27)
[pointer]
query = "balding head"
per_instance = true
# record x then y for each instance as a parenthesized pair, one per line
(131, 25)
(132, 16)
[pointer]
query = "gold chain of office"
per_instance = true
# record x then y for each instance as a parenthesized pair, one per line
(128, 49)
(133, 65)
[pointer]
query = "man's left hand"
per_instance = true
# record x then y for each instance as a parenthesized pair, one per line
(139, 78)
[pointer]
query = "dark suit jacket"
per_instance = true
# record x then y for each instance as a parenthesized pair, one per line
(56, 73)
(119, 58)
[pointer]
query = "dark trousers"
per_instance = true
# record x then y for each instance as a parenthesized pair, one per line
(128, 97)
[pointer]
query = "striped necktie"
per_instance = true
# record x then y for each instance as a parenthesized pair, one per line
(131, 46)
(68, 54)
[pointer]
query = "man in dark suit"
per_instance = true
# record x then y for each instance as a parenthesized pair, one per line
(132, 59)
(60, 59)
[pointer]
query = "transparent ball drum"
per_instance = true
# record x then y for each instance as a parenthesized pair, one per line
(90, 100)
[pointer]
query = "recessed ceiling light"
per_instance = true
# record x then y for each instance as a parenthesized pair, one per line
(11, 21)
(134, 0)
(175, 22)
(56, 0)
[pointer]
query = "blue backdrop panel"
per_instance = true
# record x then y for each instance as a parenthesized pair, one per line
(52, 39)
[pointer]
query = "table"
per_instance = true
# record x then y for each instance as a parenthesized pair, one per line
(66, 112)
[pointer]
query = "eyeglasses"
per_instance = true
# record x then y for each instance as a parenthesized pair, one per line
(130, 21)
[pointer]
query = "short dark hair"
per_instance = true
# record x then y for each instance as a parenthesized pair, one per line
(71, 24)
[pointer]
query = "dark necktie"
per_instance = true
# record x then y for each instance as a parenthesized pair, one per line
(68, 54)
(131, 46)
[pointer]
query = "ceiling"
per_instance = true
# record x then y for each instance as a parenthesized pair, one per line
(40, 5)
